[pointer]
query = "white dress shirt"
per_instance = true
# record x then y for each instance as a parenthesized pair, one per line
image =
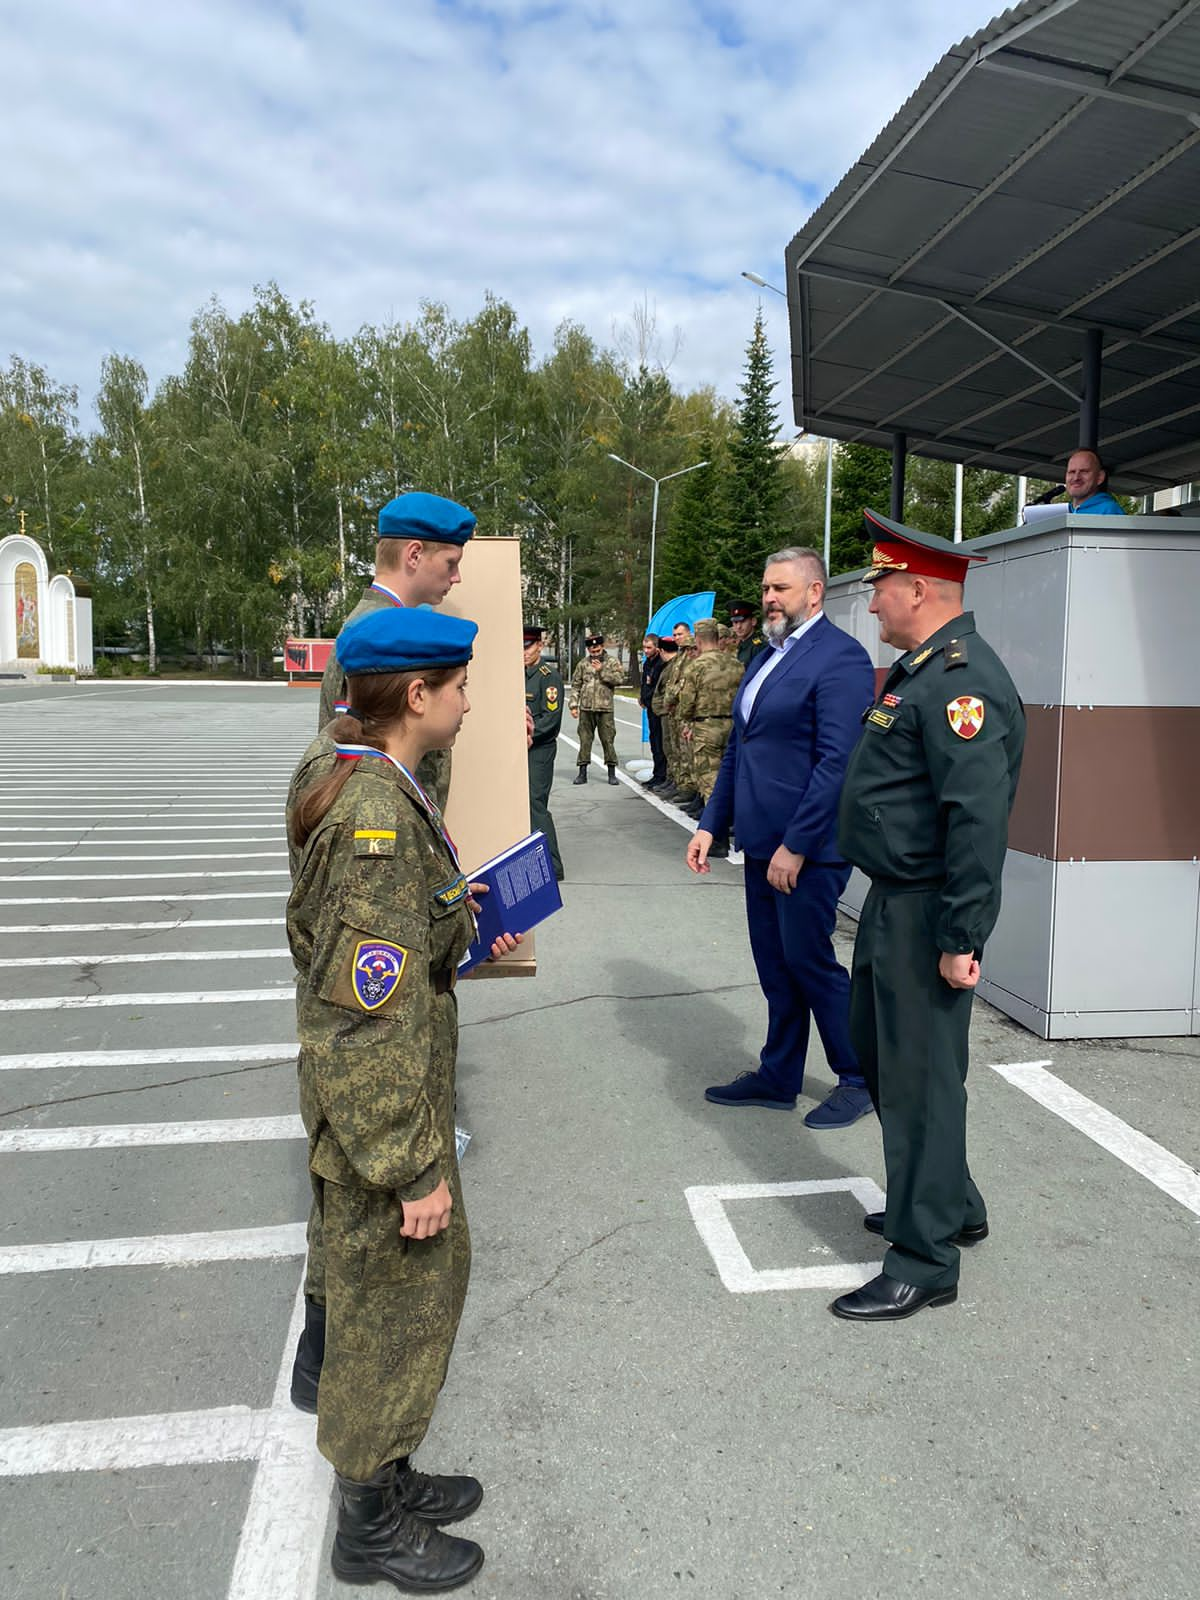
(779, 648)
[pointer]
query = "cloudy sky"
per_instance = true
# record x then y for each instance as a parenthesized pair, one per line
(367, 154)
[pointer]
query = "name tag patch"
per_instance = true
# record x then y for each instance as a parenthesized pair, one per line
(451, 893)
(881, 719)
(378, 968)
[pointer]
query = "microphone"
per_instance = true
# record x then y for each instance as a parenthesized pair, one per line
(1050, 494)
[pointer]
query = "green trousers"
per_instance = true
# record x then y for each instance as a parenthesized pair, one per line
(603, 723)
(910, 1029)
(541, 776)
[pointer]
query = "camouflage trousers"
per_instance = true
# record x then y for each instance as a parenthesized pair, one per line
(603, 723)
(679, 757)
(710, 735)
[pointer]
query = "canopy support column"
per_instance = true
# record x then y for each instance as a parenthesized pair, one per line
(1089, 405)
(899, 455)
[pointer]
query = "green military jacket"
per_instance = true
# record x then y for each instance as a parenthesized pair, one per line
(931, 782)
(593, 691)
(748, 648)
(685, 665)
(377, 921)
(658, 700)
(333, 679)
(709, 687)
(544, 697)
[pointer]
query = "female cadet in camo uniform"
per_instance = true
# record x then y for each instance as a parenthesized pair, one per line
(379, 916)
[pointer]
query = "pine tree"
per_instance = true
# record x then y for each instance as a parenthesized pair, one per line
(862, 478)
(755, 483)
(696, 528)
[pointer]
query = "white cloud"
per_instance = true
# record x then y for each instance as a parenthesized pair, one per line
(369, 154)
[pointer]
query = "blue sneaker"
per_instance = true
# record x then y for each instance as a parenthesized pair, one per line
(840, 1107)
(750, 1090)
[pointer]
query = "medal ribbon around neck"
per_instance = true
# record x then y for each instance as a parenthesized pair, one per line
(356, 752)
(382, 588)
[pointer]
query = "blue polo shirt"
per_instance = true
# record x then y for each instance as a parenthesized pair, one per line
(1100, 504)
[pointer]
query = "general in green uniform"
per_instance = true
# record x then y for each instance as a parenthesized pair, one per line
(924, 813)
(544, 698)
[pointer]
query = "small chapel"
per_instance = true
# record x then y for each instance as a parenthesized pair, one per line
(45, 621)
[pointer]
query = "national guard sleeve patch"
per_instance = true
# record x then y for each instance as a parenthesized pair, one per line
(965, 715)
(378, 968)
(551, 697)
(450, 894)
(374, 841)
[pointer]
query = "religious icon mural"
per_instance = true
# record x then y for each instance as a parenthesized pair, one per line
(26, 587)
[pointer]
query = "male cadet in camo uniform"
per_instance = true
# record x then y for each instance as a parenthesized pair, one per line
(417, 557)
(421, 541)
(924, 813)
(544, 699)
(743, 618)
(706, 709)
(686, 792)
(591, 700)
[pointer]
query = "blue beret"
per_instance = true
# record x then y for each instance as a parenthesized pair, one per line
(404, 639)
(426, 516)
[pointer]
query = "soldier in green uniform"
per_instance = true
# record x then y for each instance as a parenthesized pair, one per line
(743, 619)
(544, 698)
(669, 650)
(705, 708)
(686, 793)
(378, 918)
(924, 813)
(591, 700)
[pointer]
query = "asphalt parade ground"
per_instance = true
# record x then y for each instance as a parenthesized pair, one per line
(647, 1379)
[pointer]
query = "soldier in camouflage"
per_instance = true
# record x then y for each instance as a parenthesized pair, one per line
(378, 918)
(544, 700)
(706, 707)
(591, 700)
(686, 792)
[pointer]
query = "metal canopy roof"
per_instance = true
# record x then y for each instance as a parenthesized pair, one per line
(1042, 181)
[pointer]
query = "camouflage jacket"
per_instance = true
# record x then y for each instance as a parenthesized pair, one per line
(319, 760)
(593, 691)
(333, 679)
(710, 686)
(684, 667)
(377, 921)
(658, 700)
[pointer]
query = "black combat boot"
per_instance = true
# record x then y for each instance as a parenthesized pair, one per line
(612, 775)
(581, 775)
(310, 1356)
(435, 1499)
(377, 1539)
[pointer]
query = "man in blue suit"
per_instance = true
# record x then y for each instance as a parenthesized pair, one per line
(797, 716)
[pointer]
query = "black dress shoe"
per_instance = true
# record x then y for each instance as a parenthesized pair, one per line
(886, 1299)
(968, 1234)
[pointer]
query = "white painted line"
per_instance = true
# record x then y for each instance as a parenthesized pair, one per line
(283, 990)
(158, 958)
(283, 1531)
(1166, 1171)
(135, 899)
(56, 1060)
(733, 859)
(141, 927)
(106, 812)
(707, 1205)
(141, 877)
(157, 1250)
(85, 829)
(171, 1439)
(129, 1135)
(225, 855)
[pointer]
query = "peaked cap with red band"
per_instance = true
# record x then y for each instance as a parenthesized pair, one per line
(921, 555)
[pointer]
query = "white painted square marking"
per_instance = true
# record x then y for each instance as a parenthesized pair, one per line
(707, 1204)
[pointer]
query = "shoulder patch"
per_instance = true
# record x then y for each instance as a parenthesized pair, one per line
(965, 715)
(378, 968)
(545, 671)
(374, 841)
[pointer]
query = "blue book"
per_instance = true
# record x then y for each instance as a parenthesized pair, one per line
(522, 891)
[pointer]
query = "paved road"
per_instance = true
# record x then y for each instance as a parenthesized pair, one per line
(647, 1380)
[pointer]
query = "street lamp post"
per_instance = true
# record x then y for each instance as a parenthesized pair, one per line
(666, 478)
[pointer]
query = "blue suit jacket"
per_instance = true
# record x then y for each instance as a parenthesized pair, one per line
(782, 772)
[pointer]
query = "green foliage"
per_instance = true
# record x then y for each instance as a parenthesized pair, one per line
(235, 504)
